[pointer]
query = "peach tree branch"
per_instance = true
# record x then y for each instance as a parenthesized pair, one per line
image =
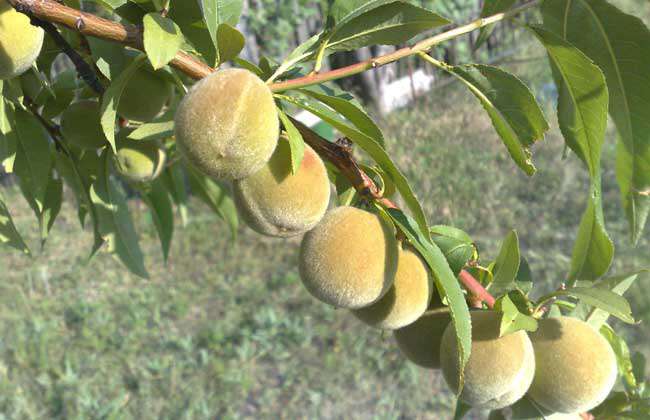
(340, 155)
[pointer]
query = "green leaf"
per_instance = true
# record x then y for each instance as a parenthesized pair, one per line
(506, 266)
(622, 352)
(455, 244)
(514, 112)
(370, 146)
(8, 234)
(174, 179)
(162, 212)
(582, 114)
(513, 320)
(188, 16)
(51, 206)
(230, 42)
(593, 251)
(619, 285)
(351, 111)
(33, 158)
(115, 224)
(109, 57)
(153, 131)
(79, 179)
(524, 279)
(296, 142)
(162, 39)
(604, 299)
(445, 280)
(388, 24)
(215, 196)
(620, 45)
(216, 12)
(7, 136)
(111, 99)
(491, 7)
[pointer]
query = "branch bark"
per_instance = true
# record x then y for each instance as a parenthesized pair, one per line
(339, 154)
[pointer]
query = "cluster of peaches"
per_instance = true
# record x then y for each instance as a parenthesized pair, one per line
(227, 127)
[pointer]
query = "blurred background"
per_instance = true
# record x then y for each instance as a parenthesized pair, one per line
(226, 330)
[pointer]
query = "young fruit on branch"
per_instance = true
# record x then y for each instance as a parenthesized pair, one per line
(81, 126)
(500, 369)
(406, 300)
(20, 42)
(275, 202)
(139, 161)
(227, 125)
(576, 366)
(420, 341)
(144, 96)
(349, 259)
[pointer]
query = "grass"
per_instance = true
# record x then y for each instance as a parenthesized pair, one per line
(227, 331)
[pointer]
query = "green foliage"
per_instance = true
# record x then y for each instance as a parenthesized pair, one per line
(620, 45)
(582, 114)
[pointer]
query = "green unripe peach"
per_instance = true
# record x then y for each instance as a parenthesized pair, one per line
(576, 366)
(420, 341)
(144, 96)
(275, 202)
(406, 300)
(349, 259)
(20, 42)
(227, 125)
(81, 126)
(139, 161)
(499, 370)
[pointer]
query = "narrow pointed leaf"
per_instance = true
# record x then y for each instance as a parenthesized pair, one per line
(230, 42)
(153, 131)
(9, 235)
(620, 45)
(33, 158)
(582, 114)
(506, 266)
(445, 280)
(216, 12)
(604, 299)
(162, 212)
(51, 206)
(296, 142)
(112, 96)
(388, 24)
(514, 112)
(115, 222)
(491, 7)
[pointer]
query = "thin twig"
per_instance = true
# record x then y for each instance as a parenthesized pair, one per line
(53, 130)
